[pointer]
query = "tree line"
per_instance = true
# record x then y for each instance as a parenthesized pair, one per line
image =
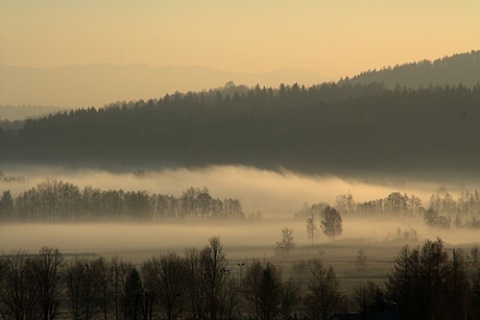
(460, 68)
(428, 282)
(340, 127)
(443, 210)
(53, 200)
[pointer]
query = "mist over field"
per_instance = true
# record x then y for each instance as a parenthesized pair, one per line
(277, 196)
(210, 160)
(111, 238)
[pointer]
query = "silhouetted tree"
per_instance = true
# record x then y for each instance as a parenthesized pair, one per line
(324, 298)
(100, 272)
(456, 293)
(47, 270)
(312, 229)
(19, 299)
(80, 289)
(287, 242)
(402, 283)
(361, 261)
(194, 279)
(134, 291)
(331, 223)
(164, 277)
(345, 203)
(369, 298)
(269, 294)
(213, 261)
(119, 273)
(6, 205)
(251, 286)
(426, 284)
(475, 301)
(290, 299)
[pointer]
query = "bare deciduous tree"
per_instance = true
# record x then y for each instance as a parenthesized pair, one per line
(312, 229)
(213, 260)
(361, 261)
(18, 297)
(369, 298)
(324, 298)
(75, 286)
(194, 278)
(426, 283)
(119, 271)
(164, 277)
(287, 242)
(47, 269)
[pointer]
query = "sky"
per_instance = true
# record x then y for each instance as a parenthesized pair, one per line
(333, 38)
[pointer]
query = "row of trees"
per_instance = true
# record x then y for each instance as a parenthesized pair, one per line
(197, 285)
(57, 200)
(428, 282)
(443, 209)
(434, 282)
(459, 68)
(395, 203)
(330, 223)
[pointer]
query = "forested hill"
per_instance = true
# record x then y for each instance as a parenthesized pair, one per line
(460, 68)
(331, 128)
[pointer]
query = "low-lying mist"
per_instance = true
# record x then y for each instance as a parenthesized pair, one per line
(276, 195)
(113, 238)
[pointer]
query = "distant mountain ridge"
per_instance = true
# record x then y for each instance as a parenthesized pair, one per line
(13, 113)
(24, 92)
(77, 86)
(452, 70)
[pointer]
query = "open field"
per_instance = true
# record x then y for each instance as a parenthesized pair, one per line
(277, 196)
(341, 254)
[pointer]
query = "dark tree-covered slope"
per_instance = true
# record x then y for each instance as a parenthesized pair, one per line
(330, 128)
(460, 68)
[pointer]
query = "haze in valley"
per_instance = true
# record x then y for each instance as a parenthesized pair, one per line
(276, 196)
(329, 148)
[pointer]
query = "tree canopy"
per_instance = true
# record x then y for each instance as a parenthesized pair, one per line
(335, 127)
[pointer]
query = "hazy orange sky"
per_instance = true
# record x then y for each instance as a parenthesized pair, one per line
(332, 38)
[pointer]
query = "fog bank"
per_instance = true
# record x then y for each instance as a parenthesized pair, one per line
(121, 237)
(274, 194)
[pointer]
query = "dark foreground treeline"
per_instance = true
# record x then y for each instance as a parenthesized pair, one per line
(443, 210)
(428, 282)
(54, 200)
(332, 127)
